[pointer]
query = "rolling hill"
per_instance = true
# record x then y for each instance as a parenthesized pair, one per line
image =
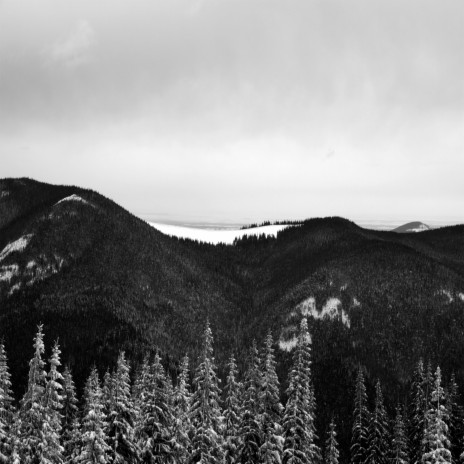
(102, 280)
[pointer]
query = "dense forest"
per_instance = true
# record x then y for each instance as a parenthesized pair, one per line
(103, 281)
(160, 419)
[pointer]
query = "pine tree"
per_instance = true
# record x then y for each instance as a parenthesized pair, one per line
(417, 414)
(378, 431)
(250, 430)
(205, 412)
(94, 448)
(399, 449)
(270, 408)
(298, 422)
(181, 408)
(70, 424)
(53, 451)
(331, 445)
(232, 414)
(436, 442)
(33, 412)
(6, 409)
(153, 429)
(121, 417)
(359, 440)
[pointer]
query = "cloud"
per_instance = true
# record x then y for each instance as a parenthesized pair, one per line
(74, 51)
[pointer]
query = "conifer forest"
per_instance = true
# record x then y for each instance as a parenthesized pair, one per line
(145, 415)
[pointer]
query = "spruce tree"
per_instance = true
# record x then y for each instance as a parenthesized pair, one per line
(121, 416)
(331, 445)
(205, 412)
(399, 448)
(417, 414)
(232, 414)
(436, 442)
(298, 422)
(359, 440)
(6, 409)
(94, 448)
(53, 402)
(250, 431)
(181, 408)
(378, 431)
(270, 408)
(33, 412)
(153, 429)
(70, 424)
(455, 418)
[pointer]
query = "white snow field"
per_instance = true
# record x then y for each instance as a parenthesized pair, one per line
(226, 236)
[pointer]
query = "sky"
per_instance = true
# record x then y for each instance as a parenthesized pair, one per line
(239, 110)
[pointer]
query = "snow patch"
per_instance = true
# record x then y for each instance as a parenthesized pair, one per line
(343, 287)
(4, 194)
(216, 236)
(8, 272)
(332, 310)
(74, 197)
(446, 293)
(356, 302)
(288, 345)
(14, 288)
(16, 246)
(461, 296)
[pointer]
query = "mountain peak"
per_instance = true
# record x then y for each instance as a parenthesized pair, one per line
(415, 226)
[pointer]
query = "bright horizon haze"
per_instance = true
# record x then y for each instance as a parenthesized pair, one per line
(240, 110)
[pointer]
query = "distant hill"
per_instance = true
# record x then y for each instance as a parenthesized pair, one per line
(102, 280)
(415, 226)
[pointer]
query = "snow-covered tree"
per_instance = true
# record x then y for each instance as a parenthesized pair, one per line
(378, 445)
(181, 407)
(455, 419)
(94, 448)
(33, 411)
(53, 401)
(270, 408)
(206, 414)
(6, 408)
(417, 414)
(71, 428)
(331, 445)
(359, 440)
(298, 422)
(232, 414)
(399, 448)
(153, 429)
(250, 430)
(121, 416)
(436, 442)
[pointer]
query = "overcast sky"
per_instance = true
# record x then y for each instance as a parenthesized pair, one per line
(239, 109)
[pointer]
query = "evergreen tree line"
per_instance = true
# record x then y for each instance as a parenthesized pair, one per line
(153, 420)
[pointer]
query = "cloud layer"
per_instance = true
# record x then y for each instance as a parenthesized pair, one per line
(239, 107)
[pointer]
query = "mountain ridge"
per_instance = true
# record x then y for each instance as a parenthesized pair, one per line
(105, 280)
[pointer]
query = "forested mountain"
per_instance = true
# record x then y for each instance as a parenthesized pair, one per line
(102, 280)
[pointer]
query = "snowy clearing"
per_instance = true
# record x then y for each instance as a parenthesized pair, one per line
(4, 194)
(461, 296)
(215, 236)
(17, 245)
(332, 310)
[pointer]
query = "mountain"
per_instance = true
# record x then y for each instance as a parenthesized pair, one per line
(101, 279)
(415, 226)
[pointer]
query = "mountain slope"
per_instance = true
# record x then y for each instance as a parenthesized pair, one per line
(101, 280)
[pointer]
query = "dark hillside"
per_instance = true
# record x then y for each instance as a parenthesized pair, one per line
(101, 279)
